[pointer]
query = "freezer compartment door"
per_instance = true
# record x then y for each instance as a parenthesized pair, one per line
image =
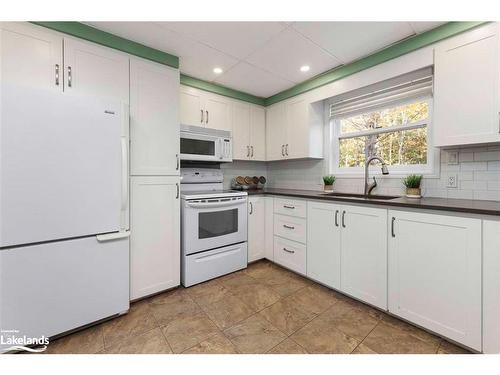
(207, 265)
(55, 287)
(61, 163)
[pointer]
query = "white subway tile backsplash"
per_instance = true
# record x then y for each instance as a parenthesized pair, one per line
(494, 165)
(487, 156)
(465, 156)
(474, 166)
(489, 195)
(460, 194)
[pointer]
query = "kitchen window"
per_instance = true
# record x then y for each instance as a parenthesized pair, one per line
(391, 119)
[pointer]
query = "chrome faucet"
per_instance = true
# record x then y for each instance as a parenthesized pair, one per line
(373, 185)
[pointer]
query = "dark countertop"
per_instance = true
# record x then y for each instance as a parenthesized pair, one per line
(443, 204)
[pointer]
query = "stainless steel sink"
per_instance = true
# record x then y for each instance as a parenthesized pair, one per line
(362, 196)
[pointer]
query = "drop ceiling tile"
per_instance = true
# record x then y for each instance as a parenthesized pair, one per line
(253, 80)
(421, 27)
(350, 41)
(287, 52)
(237, 39)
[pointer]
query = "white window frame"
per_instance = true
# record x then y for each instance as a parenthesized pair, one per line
(431, 169)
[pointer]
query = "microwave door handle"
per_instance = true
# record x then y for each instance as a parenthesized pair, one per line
(215, 204)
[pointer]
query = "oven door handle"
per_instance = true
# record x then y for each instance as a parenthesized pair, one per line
(216, 204)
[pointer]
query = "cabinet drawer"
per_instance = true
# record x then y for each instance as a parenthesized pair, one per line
(292, 228)
(292, 207)
(290, 254)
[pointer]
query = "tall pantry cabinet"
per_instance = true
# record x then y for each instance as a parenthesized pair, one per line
(154, 166)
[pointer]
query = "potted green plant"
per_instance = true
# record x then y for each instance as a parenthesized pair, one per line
(328, 181)
(412, 183)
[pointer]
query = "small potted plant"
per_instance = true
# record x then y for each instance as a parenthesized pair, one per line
(328, 181)
(412, 183)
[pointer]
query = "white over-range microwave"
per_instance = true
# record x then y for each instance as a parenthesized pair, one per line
(205, 144)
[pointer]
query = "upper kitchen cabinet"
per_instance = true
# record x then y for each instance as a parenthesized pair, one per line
(466, 89)
(294, 129)
(249, 131)
(154, 118)
(31, 57)
(201, 108)
(90, 69)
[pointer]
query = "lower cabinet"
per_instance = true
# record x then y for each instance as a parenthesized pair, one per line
(364, 254)
(435, 273)
(155, 235)
(323, 243)
(256, 228)
(491, 287)
(290, 254)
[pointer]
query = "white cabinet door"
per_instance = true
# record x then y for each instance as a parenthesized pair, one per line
(241, 130)
(191, 107)
(217, 112)
(31, 57)
(269, 231)
(155, 235)
(466, 89)
(323, 243)
(364, 254)
(90, 69)
(257, 133)
(290, 254)
(435, 273)
(154, 120)
(491, 286)
(297, 130)
(275, 132)
(256, 228)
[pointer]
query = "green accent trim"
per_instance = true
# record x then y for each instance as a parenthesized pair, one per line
(221, 90)
(92, 34)
(406, 46)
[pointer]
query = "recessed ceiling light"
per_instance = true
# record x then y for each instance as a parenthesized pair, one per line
(305, 68)
(217, 70)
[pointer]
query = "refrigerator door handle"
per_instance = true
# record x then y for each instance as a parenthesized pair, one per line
(124, 174)
(112, 236)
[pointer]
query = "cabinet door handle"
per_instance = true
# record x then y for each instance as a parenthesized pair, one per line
(393, 234)
(248, 151)
(282, 150)
(70, 77)
(336, 218)
(286, 149)
(251, 147)
(251, 208)
(343, 219)
(201, 119)
(288, 226)
(290, 207)
(289, 251)
(177, 196)
(177, 162)
(207, 116)
(57, 74)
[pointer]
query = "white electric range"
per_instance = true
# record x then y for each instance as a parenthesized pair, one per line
(213, 227)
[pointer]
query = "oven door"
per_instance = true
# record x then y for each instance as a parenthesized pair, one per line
(199, 147)
(213, 222)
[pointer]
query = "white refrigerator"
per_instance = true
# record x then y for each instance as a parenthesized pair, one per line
(64, 247)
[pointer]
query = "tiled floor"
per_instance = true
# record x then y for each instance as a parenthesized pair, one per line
(263, 309)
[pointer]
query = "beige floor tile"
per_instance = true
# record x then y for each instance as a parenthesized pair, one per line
(138, 320)
(151, 342)
(258, 296)
(314, 299)
(216, 344)
(411, 329)
(228, 311)
(448, 348)
(254, 335)
(287, 346)
(237, 282)
(88, 341)
(287, 316)
(388, 339)
(208, 292)
(353, 321)
(186, 332)
(260, 270)
(173, 305)
(286, 283)
(363, 349)
(320, 337)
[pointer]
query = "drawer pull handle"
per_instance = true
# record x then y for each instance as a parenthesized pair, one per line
(336, 218)
(290, 207)
(288, 226)
(289, 251)
(343, 219)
